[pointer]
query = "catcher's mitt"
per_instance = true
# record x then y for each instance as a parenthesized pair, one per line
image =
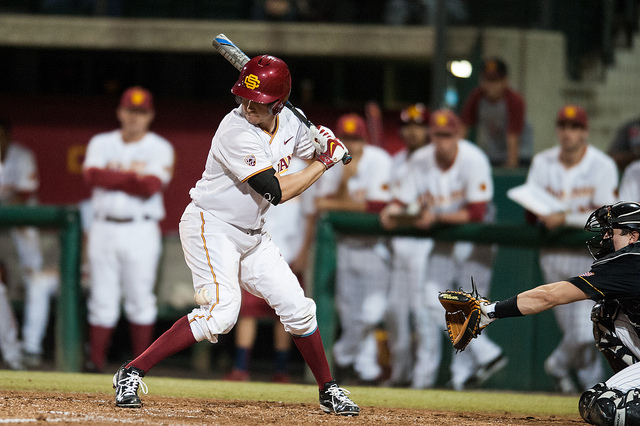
(462, 315)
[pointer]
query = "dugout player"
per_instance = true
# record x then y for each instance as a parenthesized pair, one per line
(613, 283)
(127, 170)
(408, 268)
(10, 346)
(451, 180)
(498, 113)
(222, 236)
(625, 146)
(19, 184)
(582, 178)
(363, 262)
(630, 182)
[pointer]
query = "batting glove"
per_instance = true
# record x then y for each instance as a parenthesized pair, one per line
(320, 137)
(333, 154)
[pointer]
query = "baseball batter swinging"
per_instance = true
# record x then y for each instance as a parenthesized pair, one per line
(221, 230)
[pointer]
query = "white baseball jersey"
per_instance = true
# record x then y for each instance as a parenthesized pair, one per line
(240, 150)
(152, 155)
(20, 172)
(370, 183)
(582, 188)
(630, 183)
(589, 184)
(408, 268)
(220, 230)
(125, 241)
(467, 180)
(286, 222)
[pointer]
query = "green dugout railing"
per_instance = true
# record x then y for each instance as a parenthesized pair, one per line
(516, 269)
(69, 324)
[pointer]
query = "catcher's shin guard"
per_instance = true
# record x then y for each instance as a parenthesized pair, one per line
(599, 405)
(618, 356)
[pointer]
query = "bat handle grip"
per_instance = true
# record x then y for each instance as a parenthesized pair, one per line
(346, 159)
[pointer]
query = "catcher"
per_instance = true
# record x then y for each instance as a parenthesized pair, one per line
(613, 283)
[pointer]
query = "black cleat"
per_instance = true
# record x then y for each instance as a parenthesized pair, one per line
(126, 382)
(334, 399)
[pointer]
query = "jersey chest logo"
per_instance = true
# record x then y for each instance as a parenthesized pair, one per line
(283, 164)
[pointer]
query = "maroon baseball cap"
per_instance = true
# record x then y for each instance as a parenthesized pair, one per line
(416, 113)
(494, 69)
(351, 126)
(573, 114)
(137, 98)
(444, 121)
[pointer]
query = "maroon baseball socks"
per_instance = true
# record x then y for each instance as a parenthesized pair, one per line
(177, 338)
(313, 353)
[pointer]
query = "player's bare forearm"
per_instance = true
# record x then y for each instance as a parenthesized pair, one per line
(296, 183)
(458, 217)
(19, 197)
(340, 203)
(548, 296)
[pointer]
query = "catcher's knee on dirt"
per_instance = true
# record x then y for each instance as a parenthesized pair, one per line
(614, 350)
(602, 406)
(598, 405)
(303, 321)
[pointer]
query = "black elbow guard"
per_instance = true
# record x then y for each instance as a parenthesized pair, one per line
(266, 184)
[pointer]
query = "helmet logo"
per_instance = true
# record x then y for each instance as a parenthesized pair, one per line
(252, 82)
(441, 120)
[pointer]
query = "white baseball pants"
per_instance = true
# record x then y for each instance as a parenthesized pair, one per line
(224, 259)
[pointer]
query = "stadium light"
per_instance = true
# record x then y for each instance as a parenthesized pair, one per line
(461, 69)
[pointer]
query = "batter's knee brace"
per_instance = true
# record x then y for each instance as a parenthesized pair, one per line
(599, 405)
(615, 352)
(303, 322)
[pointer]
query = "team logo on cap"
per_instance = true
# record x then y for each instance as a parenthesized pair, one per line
(250, 160)
(441, 120)
(570, 112)
(350, 126)
(252, 81)
(137, 97)
(491, 66)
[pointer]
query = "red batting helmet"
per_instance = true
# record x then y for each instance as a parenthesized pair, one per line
(265, 79)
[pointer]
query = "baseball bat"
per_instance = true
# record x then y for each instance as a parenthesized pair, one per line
(238, 59)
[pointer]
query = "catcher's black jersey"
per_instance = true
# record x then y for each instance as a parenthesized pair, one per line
(615, 276)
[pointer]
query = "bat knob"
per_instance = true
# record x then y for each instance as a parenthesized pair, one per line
(346, 159)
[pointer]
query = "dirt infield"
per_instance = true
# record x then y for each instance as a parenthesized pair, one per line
(37, 407)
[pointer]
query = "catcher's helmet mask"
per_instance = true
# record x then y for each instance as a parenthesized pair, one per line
(621, 215)
(266, 80)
